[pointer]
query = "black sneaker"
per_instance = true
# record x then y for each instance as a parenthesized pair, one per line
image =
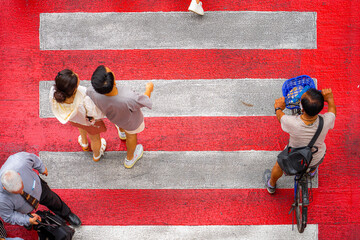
(73, 220)
(267, 175)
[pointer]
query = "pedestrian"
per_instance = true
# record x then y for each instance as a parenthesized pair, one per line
(196, 7)
(69, 103)
(3, 233)
(302, 128)
(22, 190)
(122, 106)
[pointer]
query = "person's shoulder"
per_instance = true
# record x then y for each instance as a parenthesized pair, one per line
(23, 155)
(3, 195)
(328, 116)
(90, 90)
(82, 89)
(288, 118)
(290, 121)
(6, 200)
(126, 90)
(19, 155)
(51, 92)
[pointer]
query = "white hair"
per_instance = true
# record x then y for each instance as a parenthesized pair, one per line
(11, 180)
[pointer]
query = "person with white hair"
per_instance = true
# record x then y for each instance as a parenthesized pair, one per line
(22, 190)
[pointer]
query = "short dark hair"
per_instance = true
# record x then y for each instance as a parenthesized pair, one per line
(312, 102)
(66, 83)
(102, 81)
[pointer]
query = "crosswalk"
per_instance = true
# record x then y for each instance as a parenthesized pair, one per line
(278, 232)
(318, 38)
(173, 98)
(163, 170)
(178, 30)
(181, 98)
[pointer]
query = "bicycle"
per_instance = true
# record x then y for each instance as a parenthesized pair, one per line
(292, 90)
(302, 199)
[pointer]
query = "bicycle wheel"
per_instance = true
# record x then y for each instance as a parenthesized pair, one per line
(300, 209)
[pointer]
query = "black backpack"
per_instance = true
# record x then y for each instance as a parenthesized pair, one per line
(295, 161)
(53, 227)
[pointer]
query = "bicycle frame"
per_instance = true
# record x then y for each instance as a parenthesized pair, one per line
(301, 200)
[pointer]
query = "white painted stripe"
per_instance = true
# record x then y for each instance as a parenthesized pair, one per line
(178, 30)
(162, 170)
(254, 232)
(204, 97)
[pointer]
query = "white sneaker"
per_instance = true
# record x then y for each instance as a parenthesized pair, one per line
(137, 155)
(102, 150)
(122, 135)
(196, 8)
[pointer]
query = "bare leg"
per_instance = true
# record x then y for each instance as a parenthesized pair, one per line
(122, 130)
(83, 135)
(276, 173)
(131, 142)
(197, 1)
(95, 144)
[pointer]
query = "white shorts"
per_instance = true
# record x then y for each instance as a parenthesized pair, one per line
(138, 130)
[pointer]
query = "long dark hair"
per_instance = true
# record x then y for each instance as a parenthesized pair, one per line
(65, 85)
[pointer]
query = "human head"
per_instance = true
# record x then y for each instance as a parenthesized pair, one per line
(12, 181)
(66, 83)
(102, 80)
(312, 102)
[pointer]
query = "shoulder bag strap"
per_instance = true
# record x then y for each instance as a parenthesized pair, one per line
(318, 131)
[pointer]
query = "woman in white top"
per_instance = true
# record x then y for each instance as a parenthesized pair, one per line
(69, 103)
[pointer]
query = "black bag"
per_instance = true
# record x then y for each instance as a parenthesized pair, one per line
(53, 227)
(295, 161)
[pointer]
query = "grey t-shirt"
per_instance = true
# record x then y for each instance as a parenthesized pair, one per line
(122, 109)
(301, 134)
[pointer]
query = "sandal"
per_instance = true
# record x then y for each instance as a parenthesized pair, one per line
(85, 147)
(102, 150)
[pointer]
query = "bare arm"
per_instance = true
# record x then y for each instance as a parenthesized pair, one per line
(329, 98)
(279, 103)
(149, 89)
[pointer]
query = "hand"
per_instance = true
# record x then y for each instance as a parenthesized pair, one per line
(280, 103)
(328, 95)
(34, 219)
(91, 120)
(45, 172)
(150, 86)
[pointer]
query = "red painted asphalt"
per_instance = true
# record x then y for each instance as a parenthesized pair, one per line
(334, 64)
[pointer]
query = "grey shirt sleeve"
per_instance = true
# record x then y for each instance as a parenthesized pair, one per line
(139, 101)
(329, 120)
(35, 162)
(285, 123)
(13, 217)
